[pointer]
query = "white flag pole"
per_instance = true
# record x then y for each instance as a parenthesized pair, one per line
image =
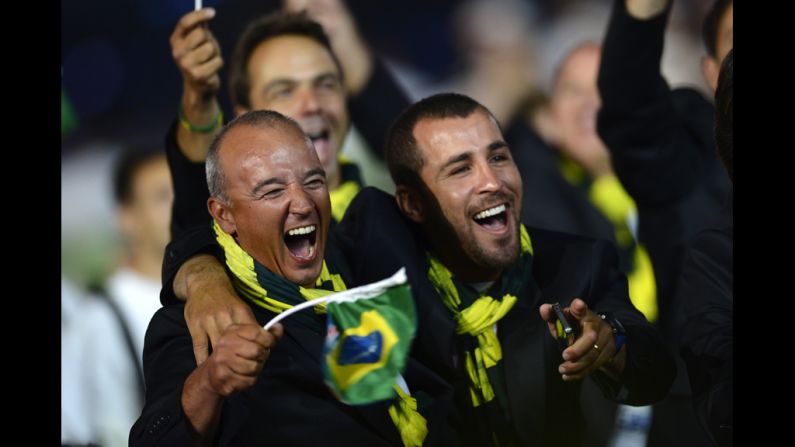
(295, 309)
(354, 294)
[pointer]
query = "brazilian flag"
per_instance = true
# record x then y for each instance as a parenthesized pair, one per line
(369, 334)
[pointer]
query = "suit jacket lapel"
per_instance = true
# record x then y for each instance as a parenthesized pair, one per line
(521, 334)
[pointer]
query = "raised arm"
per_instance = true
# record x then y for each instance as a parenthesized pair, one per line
(198, 56)
(656, 148)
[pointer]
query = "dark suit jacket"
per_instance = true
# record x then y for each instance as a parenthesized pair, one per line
(377, 240)
(289, 404)
(708, 333)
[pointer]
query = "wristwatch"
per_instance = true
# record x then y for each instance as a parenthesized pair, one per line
(619, 333)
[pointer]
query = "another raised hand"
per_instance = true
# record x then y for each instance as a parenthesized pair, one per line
(198, 56)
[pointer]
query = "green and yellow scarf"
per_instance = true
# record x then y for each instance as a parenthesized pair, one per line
(475, 314)
(276, 294)
(350, 185)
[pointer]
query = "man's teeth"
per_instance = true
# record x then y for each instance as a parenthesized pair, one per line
(302, 230)
(490, 212)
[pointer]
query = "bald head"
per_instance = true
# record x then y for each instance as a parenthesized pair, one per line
(262, 119)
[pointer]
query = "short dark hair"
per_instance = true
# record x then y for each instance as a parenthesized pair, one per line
(724, 115)
(709, 31)
(216, 182)
(127, 166)
(280, 23)
(402, 157)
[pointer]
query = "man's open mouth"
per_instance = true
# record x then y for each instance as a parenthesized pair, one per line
(320, 136)
(492, 219)
(301, 242)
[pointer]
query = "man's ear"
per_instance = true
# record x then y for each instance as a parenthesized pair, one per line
(410, 203)
(710, 69)
(222, 214)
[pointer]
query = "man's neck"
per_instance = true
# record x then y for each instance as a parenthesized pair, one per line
(466, 271)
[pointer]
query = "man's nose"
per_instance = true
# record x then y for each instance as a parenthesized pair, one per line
(309, 102)
(300, 203)
(488, 181)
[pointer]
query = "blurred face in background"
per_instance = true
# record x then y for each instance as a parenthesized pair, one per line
(297, 76)
(146, 217)
(573, 108)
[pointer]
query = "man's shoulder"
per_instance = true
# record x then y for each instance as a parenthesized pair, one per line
(169, 319)
(373, 195)
(554, 251)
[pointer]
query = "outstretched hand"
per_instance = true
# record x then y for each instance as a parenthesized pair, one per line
(594, 348)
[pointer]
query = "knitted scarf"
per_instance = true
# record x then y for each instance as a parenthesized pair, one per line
(275, 293)
(475, 314)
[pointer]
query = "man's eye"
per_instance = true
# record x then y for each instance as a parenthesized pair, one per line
(272, 193)
(460, 170)
(315, 183)
(281, 93)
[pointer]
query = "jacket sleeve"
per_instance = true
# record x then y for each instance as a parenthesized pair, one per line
(168, 360)
(191, 233)
(376, 106)
(650, 368)
(656, 141)
(190, 187)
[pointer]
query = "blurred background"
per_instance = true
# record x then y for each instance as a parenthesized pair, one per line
(121, 89)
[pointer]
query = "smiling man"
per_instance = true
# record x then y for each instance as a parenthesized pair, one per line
(473, 226)
(457, 184)
(270, 203)
(284, 187)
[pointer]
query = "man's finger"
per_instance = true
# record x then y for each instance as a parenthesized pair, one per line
(277, 330)
(193, 18)
(548, 315)
(200, 347)
(578, 309)
(581, 346)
